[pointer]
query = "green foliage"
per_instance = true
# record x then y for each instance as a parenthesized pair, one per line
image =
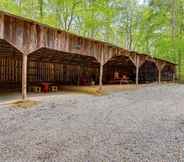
(155, 27)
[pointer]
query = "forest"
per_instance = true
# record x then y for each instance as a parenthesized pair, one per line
(155, 27)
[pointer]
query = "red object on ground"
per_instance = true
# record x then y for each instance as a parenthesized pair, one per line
(45, 87)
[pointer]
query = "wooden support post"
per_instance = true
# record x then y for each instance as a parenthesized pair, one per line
(174, 75)
(79, 73)
(101, 77)
(137, 70)
(160, 67)
(159, 76)
(64, 73)
(173, 78)
(101, 72)
(24, 77)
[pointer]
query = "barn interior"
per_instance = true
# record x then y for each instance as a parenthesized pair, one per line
(119, 70)
(45, 66)
(60, 68)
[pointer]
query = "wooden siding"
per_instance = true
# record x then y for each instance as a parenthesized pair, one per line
(11, 71)
(29, 36)
(1, 26)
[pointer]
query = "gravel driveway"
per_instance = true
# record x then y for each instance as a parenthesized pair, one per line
(142, 125)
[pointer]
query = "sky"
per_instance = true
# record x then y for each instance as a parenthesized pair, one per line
(141, 1)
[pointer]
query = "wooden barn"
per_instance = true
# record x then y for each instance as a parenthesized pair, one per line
(33, 54)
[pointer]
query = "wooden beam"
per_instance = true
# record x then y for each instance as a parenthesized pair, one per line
(159, 76)
(24, 77)
(137, 70)
(101, 71)
(1, 26)
(41, 42)
(160, 66)
(133, 58)
(174, 74)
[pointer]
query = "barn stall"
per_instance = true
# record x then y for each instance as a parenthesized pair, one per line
(119, 70)
(63, 70)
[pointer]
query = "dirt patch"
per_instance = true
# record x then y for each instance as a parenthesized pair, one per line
(85, 89)
(25, 104)
(107, 89)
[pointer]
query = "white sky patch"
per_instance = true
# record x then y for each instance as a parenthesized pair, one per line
(141, 1)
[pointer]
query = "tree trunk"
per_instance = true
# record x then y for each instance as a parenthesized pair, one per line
(173, 25)
(41, 8)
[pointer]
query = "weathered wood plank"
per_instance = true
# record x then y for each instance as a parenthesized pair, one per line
(24, 77)
(101, 70)
(137, 70)
(19, 30)
(1, 26)
(29, 36)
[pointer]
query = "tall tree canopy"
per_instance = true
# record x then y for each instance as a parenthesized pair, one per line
(155, 27)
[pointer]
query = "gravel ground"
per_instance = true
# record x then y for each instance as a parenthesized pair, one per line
(142, 125)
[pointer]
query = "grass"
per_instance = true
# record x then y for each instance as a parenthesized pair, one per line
(85, 89)
(24, 104)
(94, 90)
